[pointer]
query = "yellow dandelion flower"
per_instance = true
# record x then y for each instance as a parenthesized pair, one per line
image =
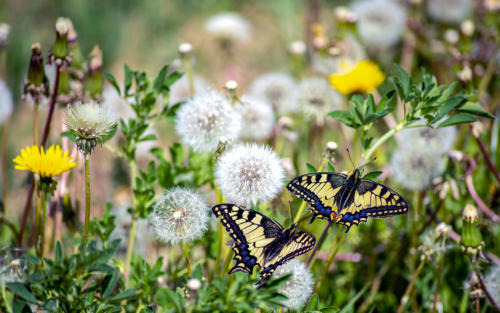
(364, 76)
(47, 164)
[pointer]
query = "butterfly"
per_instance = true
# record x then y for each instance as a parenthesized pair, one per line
(346, 200)
(259, 240)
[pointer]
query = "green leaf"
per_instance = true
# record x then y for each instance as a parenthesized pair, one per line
(69, 134)
(58, 253)
(127, 294)
(20, 290)
(372, 175)
(310, 168)
(113, 280)
(350, 306)
(313, 303)
(160, 79)
(403, 83)
(475, 109)
(128, 79)
(447, 106)
(113, 82)
(330, 168)
(343, 116)
(460, 118)
(111, 134)
(172, 78)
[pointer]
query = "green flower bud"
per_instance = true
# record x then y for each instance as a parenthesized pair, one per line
(60, 53)
(93, 81)
(36, 84)
(471, 241)
(47, 185)
(77, 61)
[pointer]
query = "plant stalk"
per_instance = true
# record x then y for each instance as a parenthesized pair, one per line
(409, 288)
(495, 305)
(188, 261)
(87, 199)
(133, 228)
(319, 244)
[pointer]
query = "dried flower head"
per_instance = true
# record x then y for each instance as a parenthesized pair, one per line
(11, 269)
(229, 27)
(179, 215)
(299, 286)
(6, 103)
(90, 123)
(278, 89)
(317, 98)
(202, 120)
(380, 23)
(46, 164)
(449, 11)
(249, 173)
(364, 76)
(257, 117)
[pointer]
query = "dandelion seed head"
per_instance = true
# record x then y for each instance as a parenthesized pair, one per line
(449, 11)
(299, 286)
(451, 36)
(415, 168)
(6, 102)
(194, 284)
(249, 173)
(229, 26)
(180, 89)
(257, 118)
(4, 34)
(278, 89)
(202, 120)
(380, 23)
(348, 50)
(492, 279)
(434, 140)
(179, 215)
(123, 222)
(317, 98)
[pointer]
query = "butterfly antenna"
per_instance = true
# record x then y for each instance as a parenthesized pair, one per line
(349, 154)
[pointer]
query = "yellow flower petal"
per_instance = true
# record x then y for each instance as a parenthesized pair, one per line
(364, 77)
(48, 163)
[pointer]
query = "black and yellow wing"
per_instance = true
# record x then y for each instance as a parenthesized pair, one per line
(320, 190)
(258, 240)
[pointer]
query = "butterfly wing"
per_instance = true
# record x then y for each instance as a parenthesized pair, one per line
(251, 232)
(320, 190)
(371, 199)
(293, 243)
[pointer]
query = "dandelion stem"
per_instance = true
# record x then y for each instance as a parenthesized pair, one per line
(188, 261)
(319, 244)
(3, 156)
(87, 199)
(133, 228)
(409, 288)
(303, 204)
(27, 204)
(484, 287)
(38, 224)
(332, 253)
(229, 256)
(368, 154)
(438, 283)
(35, 122)
(189, 72)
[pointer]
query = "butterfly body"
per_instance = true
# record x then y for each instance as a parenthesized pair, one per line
(258, 240)
(346, 200)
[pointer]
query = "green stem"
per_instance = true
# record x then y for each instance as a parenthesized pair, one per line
(38, 223)
(4, 297)
(133, 228)
(484, 287)
(188, 261)
(189, 71)
(332, 253)
(405, 296)
(225, 267)
(220, 235)
(368, 154)
(87, 199)
(35, 123)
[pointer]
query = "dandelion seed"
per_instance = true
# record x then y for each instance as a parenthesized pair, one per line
(179, 215)
(317, 98)
(299, 286)
(449, 11)
(257, 117)
(493, 282)
(435, 140)
(380, 23)
(205, 118)
(90, 123)
(415, 168)
(180, 89)
(364, 76)
(229, 26)
(249, 173)
(278, 89)
(46, 164)
(6, 103)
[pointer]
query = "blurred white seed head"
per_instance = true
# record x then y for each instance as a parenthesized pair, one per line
(116, 104)
(298, 47)
(123, 222)
(449, 11)
(343, 14)
(257, 118)
(278, 89)
(415, 168)
(380, 23)
(206, 117)
(299, 286)
(185, 48)
(451, 36)
(249, 173)
(317, 98)
(492, 279)
(231, 85)
(194, 284)
(467, 27)
(492, 5)
(229, 26)
(348, 50)
(4, 34)
(434, 140)
(63, 25)
(6, 102)
(180, 89)
(179, 215)
(465, 75)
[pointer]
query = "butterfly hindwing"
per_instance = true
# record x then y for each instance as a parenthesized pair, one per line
(320, 190)
(258, 240)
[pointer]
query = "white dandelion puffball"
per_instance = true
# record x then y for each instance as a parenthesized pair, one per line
(449, 11)
(6, 102)
(229, 26)
(317, 98)
(204, 119)
(380, 23)
(90, 120)
(119, 106)
(180, 89)
(493, 282)
(414, 168)
(179, 215)
(435, 140)
(249, 173)
(299, 286)
(278, 89)
(257, 118)
(123, 222)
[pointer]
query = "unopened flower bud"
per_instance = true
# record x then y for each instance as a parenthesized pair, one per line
(93, 80)
(36, 83)
(298, 47)
(451, 36)
(469, 214)
(185, 48)
(465, 75)
(4, 34)
(471, 241)
(60, 53)
(194, 284)
(77, 57)
(231, 86)
(222, 146)
(467, 27)
(329, 152)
